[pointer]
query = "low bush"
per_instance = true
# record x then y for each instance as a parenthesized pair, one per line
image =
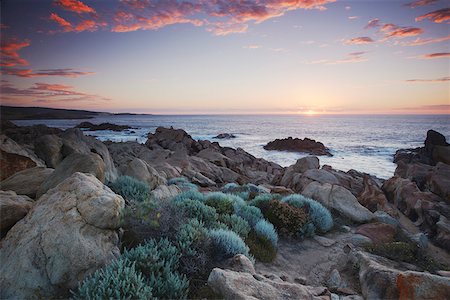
(251, 214)
(191, 195)
(318, 214)
(263, 198)
(223, 203)
(266, 230)
(198, 210)
(260, 247)
(131, 189)
(158, 262)
(227, 243)
(236, 224)
(119, 280)
(188, 234)
(246, 192)
(182, 183)
(287, 219)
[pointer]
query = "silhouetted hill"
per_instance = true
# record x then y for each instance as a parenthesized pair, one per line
(39, 113)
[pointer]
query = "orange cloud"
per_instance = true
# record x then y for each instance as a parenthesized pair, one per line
(28, 73)
(435, 55)
(359, 41)
(392, 30)
(66, 25)
(9, 55)
(438, 16)
(89, 25)
(420, 3)
(437, 80)
(419, 41)
(75, 6)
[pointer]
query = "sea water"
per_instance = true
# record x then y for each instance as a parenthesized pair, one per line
(364, 143)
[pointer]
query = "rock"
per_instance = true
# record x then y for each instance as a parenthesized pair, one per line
(359, 240)
(140, 170)
(381, 281)
(377, 232)
(434, 138)
(86, 163)
(68, 234)
(48, 148)
(443, 233)
(438, 181)
(214, 156)
(335, 280)
(323, 241)
(12, 209)
(441, 154)
(383, 217)
(338, 198)
(242, 285)
(225, 136)
(306, 163)
(321, 176)
(240, 263)
(15, 158)
(103, 126)
(164, 192)
(372, 197)
(26, 182)
(298, 145)
(419, 239)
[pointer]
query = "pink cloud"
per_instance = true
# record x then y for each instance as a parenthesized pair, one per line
(438, 16)
(401, 32)
(354, 57)
(374, 23)
(74, 6)
(419, 41)
(9, 55)
(437, 80)
(66, 25)
(435, 55)
(420, 3)
(28, 73)
(89, 25)
(360, 40)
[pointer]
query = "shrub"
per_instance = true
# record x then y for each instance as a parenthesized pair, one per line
(177, 180)
(246, 192)
(191, 195)
(287, 219)
(183, 183)
(263, 198)
(318, 214)
(266, 230)
(130, 189)
(198, 210)
(158, 262)
(260, 247)
(119, 280)
(227, 243)
(229, 187)
(223, 203)
(251, 214)
(236, 224)
(188, 234)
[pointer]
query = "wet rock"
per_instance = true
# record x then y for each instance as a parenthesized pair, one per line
(298, 145)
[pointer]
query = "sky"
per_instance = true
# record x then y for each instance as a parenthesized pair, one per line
(227, 56)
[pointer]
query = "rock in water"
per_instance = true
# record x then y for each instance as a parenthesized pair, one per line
(225, 136)
(298, 145)
(68, 234)
(103, 126)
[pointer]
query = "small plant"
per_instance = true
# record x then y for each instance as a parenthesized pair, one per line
(131, 189)
(198, 210)
(188, 234)
(287, 219)
(246, 192)
(183, 183)
(318, 214)
(236, 224)
(158, 262)
(251, 214)
(191, 195)
(227, 243)
(266, 230)
(260, 247)
(264, 198)
(221, 202)
(119, 280)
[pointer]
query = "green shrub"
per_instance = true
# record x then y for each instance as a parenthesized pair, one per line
(130, 189)
(191, 195)
(119, 280)
(263, 198)
(318, 214)
(182, 183)
(287, 219)
(227, 243)
(266, 230)
(236, 224)
(223, 203)
(198, 210)
(251, 214)
(158, 262)
(260, 247)
(188, 234)
(246, 192)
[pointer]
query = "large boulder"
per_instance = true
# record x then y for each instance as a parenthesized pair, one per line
(438, 181)
(142, 171)
(26, 182)
(86, 163)
(380, 280)
(243, 285)
(15, 158)
(164, 192)
(68, 234)
(340, 199)
(48, 148)
(378, 232)
(372, 197)
(12, 209)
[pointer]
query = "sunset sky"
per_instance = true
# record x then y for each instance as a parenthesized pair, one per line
(225, 56)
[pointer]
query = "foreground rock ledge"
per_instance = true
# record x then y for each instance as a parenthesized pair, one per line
(68, 234)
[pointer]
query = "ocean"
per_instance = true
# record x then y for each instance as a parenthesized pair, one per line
(364, 143)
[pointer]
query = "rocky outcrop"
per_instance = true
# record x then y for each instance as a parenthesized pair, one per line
(298, 145)
(103, 126)
(243, 285)
(12, 209)
(15, 158)
(68, 234)
(377, 232)
(76, 162)
(337, 198)
(48, 148)
(140, 170)
(225, 136)
(26, 182)
(372, 197)
(380, 280)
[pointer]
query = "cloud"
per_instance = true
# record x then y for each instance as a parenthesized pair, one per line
(254, 46)
(74, 6)
(353, 17)
(420, 3)
(28, 73)
(374, 23)
(392, 30)
(66, 25)
(419, 41)
(436, 108)
(9, 48)
(359, 41)
(437, 80)
(434, 55)
(437, 16)
(354, 57)
(84, 25)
